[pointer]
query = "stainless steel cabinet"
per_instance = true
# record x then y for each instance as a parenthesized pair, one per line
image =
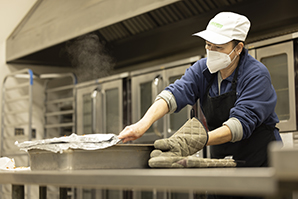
(144, 88)
(279, 59)
(100, 106)
(176, 120)
(85, 109)
(146, 85)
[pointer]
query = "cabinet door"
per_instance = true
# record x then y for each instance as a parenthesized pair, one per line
(176, 120)
(112, 93)
(99, 108)
(145, 87)
(279, 59)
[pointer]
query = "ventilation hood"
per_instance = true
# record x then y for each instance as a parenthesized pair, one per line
(135, 31)
(51, 22)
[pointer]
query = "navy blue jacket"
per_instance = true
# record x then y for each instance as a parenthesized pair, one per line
(256, 97)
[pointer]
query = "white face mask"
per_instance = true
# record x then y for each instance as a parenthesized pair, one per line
(218, 60)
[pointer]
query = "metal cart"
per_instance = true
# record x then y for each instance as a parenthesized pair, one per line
(60, 104)
(16, 114)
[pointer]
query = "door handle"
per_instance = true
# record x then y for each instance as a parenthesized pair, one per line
(95, 96)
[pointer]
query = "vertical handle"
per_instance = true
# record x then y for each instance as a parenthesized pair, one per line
(156, 89)
(103, 115)
(97, 120)
(94, 95)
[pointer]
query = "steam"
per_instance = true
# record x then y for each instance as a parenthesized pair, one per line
(88, 56)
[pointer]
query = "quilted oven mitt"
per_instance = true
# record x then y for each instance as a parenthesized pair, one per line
(196, 162)
(192, 162)
(189, 139)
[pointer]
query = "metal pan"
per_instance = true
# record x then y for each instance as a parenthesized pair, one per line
(120, 156)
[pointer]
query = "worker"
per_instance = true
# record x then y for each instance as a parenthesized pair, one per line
(235, 93)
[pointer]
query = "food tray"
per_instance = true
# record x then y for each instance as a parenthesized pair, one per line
(120, 156)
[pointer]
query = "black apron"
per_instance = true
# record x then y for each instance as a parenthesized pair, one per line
(250, 152)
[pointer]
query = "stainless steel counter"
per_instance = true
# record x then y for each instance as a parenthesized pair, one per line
(256, 181)
(273, 182)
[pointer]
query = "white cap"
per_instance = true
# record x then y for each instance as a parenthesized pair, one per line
(225, 27)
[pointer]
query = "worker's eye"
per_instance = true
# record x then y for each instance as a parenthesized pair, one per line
(213, 47)
(218, 47)
(207, 45)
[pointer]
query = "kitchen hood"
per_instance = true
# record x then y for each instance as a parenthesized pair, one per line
(135, 31)
(51, 22)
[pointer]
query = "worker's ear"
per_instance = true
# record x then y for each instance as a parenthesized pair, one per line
(239, 48)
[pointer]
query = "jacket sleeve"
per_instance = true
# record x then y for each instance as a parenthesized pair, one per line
(188, 88)
(256, 101)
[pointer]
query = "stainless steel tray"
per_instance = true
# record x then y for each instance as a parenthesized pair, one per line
(120, 156)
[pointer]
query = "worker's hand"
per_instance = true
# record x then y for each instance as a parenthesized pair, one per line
(132, 132)
(189, 139)
(156, 111)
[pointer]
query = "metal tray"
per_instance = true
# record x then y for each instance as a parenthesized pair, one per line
(120, 156)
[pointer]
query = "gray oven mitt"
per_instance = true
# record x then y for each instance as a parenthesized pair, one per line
(190, 162)
(189, 139)
(166, 162)
(196, 162)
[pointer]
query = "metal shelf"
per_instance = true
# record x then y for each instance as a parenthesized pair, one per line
(57, 106)
(27, 77)
(17, 99)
